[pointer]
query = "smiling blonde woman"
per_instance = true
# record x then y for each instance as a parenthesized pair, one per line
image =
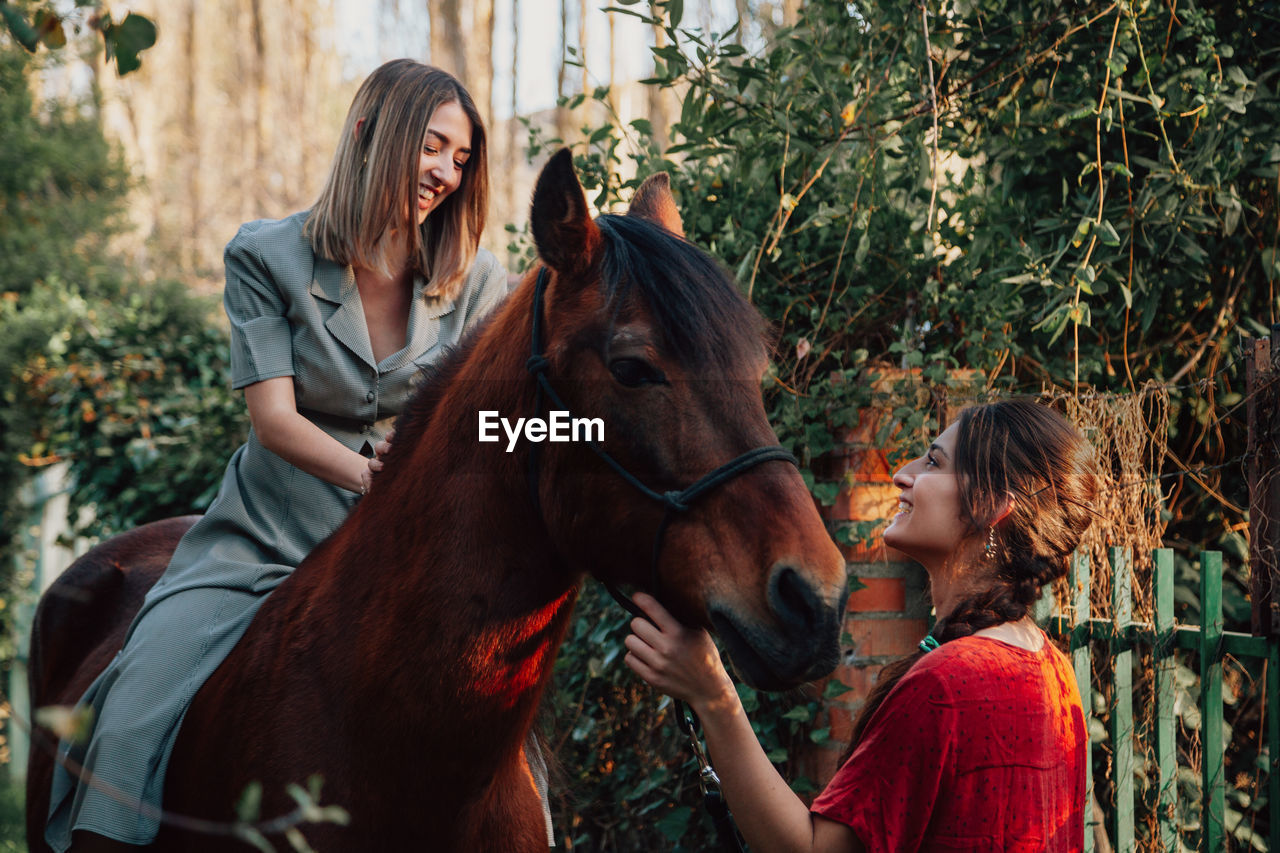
(333, 312)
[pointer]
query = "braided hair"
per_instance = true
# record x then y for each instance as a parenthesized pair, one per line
(1026, 456)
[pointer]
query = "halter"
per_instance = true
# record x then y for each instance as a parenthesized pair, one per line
(673, 501)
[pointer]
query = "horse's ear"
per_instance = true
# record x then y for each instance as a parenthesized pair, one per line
(563, 232)
(653, 201)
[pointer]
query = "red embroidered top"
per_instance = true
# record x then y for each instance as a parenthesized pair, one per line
(980, 746)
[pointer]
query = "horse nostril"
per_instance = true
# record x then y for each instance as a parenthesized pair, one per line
(794, 601)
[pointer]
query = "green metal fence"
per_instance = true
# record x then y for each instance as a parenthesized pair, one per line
(1119, 639)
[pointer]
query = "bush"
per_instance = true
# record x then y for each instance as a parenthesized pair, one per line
(130, 386)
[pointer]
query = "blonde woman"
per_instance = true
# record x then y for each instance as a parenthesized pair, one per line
(333, 311)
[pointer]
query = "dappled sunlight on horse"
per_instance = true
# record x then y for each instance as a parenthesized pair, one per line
(404, 659)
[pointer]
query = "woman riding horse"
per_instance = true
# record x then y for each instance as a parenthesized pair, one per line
(333, 312)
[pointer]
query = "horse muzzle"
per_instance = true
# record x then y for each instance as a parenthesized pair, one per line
(797, 641)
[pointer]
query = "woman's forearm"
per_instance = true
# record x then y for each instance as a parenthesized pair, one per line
(769, 814)
(296, 440)
(301, 443)
(684, 663)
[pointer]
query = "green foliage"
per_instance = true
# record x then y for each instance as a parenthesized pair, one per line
(132, 391)
(630, 780)
(126, 381)
(62, 187)
(32, 24)
(1099, 206)
(13, 828)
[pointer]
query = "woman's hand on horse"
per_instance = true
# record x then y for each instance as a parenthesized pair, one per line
(681, 662)
(382, 448)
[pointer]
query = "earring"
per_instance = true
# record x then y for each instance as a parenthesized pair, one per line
(991, 542)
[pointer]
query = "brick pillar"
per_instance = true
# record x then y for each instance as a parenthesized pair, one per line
(889, 615)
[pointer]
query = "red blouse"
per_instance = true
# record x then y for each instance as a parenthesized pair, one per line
(980, 746)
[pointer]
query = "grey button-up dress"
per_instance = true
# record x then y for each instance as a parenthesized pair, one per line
(292, 314)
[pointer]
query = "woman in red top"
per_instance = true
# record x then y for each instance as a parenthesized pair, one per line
(976, 742)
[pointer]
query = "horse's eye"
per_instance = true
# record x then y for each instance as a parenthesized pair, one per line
(633, 372)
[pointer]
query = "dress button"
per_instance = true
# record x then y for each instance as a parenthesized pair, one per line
(368, 398)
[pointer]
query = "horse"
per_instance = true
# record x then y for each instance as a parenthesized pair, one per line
(404, 659)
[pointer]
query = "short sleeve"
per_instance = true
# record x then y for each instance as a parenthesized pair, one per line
(261, 339)
(486, 287)
(887, 789)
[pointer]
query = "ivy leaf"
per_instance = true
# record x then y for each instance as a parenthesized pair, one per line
(675, 9)
(21, 31)
(249, 808)
(127, 39)
(1108, 234)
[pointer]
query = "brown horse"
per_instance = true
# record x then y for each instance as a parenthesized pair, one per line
(404, 659)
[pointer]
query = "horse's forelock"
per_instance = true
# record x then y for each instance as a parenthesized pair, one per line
(694, 304)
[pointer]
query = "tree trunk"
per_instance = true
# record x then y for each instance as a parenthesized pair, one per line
(562, 114)
(256, 198)
(478, 47)
(659, 119)
(513, 157)
(584, 9)
(613, 64)
(189, 254)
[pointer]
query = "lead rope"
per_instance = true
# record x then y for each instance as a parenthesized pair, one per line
(709, 783)
(674, 502)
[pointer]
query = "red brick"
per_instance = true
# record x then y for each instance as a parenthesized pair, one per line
(876, 637)
(870, 465)
(879, 595)
(872, 552)
(860, 680)
(819, 764)
(863, 502)
(831, 467)
(839, 720)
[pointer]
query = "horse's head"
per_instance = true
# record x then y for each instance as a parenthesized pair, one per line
(645, 332)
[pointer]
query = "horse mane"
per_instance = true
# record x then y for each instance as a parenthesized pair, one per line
(701, 315)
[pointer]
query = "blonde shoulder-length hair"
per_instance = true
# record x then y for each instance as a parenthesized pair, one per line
(372, 186)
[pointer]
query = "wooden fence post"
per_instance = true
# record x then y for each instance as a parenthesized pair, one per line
(1213, 791)
(1121, 560)
(1081, 658)
(1166, 732)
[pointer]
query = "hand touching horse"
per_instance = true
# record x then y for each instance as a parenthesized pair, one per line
(404, 659)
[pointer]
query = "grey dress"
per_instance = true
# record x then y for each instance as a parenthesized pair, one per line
(292, 314)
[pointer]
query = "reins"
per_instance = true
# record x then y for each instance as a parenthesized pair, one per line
(674, 502)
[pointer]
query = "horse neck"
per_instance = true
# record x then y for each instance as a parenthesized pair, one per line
(447, 563)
